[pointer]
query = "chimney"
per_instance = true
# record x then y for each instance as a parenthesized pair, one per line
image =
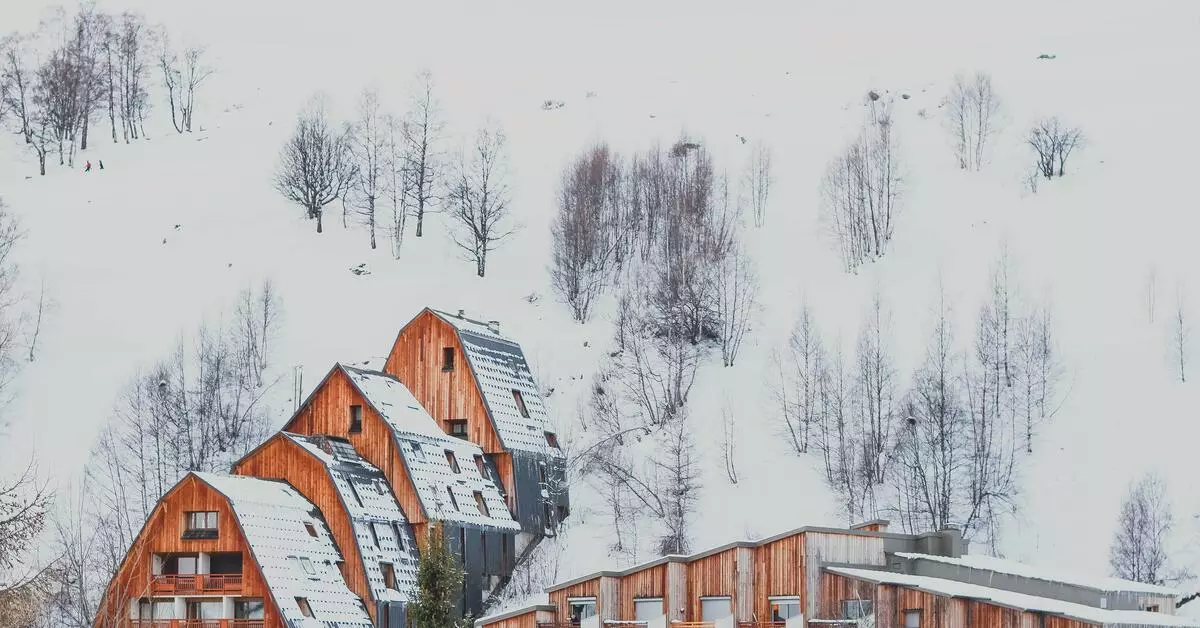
(494, 327)
(952, 544)
(461, 312)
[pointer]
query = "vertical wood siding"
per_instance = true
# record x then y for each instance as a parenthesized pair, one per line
(649, 582)
(587, 588)
(778, 571)
(282, 459)
(677, 591)
(328, 413)
(162, 534)
(822, 548)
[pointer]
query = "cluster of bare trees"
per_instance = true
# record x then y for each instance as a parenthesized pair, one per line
(383, 167)
(198, 410)
(1052, 143)
(183, 72)
(1139, 549)
(55, 82)
(478, 196)
(663, 232)
(945, 451)
(972, 115)
(862, 188)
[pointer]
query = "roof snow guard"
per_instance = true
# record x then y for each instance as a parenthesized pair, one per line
(1019, 601)
(294, 564)
(381, 531)
(425, 448)
(500, 368)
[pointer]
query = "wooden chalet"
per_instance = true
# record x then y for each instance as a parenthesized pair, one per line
(837, 577)
(377, 542)
(220, 551)
(477, 385)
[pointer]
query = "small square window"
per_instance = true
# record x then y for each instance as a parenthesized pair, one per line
(307, 566)
(304, 607)
(355, 419)
(552, 440)
(458, 428)
(200, 525)
(312, 531)
(482, 505)
(912, 618)
(857, 609)
(448, 358)
(520, 403)
(453, 461)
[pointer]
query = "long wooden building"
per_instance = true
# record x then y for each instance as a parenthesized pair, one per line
(863, 576)
(323, 524)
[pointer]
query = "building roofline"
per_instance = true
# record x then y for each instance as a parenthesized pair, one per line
(1165, 592)
(513, 613)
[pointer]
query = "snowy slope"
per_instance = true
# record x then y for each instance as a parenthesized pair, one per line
(792, 75)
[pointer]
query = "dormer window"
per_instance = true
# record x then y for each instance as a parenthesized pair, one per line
(448, 358)
(312, 531)
(355, 419)
(305, 609)
(552, 440)
(452, 460)
(520, 403)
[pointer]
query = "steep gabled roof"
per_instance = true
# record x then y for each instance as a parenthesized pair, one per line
(499, 366)
(382, 532)
(1019, 601)
(274, 520)
(423, 446)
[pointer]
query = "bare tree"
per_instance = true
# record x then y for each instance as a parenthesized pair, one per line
(168, 63)
(315, 167)
(368, 147)
(17, 79)
(423, 128)
(395, 181)
(1139, 551)
(802, 384)
(478, 197)
(1181, 334)
(679, 485)
(729, 441)
(758, 179)
(195, 71)
(1053, 143)
(25, 503)
(1039, 370)
(876, 391)
(584, 248)
(972, 110)
(862, 188)
(133, 97)
(737, 293)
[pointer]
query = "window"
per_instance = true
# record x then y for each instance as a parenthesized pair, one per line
(204, 609)
(354, 492)
(374, 534)
(181, 565)
(552, 440)
(307, 566)
(304, 608)
(646, 609)
(856, 609)
(452, 460)
(248, 609)
(201, 525)
(714, 608)
(504, 565)
(542, 472)
(479, 503)
(355, 419)
(389, 575)
(225, 563)
(912, 618)
(458, 428)
(520, 403)
(481, 466)
(1153, 608)
(311, 530)
(156, 609)
(453, 502)
(399, 536)
(784, 608)
(381, 487)
(448, 358)
(581, 608)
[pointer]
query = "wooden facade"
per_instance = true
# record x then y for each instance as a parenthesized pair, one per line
(646, 583)
(281, 458)
(525, 618)
(778, 572)
(163, 534)
(416, 358)
(327, 412)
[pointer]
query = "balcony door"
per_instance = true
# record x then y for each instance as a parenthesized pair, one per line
(715, 608)
(205, 609)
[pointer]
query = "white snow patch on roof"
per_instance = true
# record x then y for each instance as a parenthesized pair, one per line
(424, 447)
(382, 531)
(1000, 565)
(1001, 597)
(294, 563)
(500, 368)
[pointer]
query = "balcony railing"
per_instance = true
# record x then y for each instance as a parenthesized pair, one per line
(197, 583)
(196, 623)
(761, 624)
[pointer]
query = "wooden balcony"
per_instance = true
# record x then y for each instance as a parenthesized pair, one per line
(196, 623)
(761, 624)
(195, 584)
(692, 624)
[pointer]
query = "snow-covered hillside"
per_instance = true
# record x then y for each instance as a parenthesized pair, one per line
(175, 226)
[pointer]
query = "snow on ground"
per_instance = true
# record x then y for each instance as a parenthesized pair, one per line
(789, 74)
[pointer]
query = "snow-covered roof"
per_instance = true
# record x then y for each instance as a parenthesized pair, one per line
(952, 588)
(500, 368)
(274, 520)
(382, 531)
(1000, 565)
(424, 446)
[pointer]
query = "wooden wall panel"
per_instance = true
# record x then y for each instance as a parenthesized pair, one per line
(609, 603)
(416, 360)
(778, 571)
(677, 591)
(587, 588)
(524, 620)
(714, 575)
(163, 534)
(328, 412)
(649, 582)
(280, 458)
(822, 548)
